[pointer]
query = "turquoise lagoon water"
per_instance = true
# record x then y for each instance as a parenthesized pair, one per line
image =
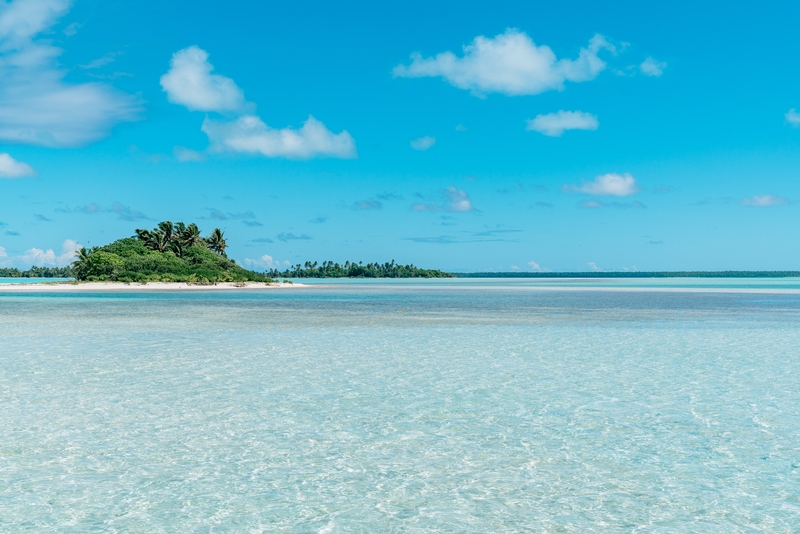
(426, 406)
(32, 280)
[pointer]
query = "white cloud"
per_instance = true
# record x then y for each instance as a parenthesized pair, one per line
(509, 63)
(593, 266)
(533, 266)
(249, 135)
(793, 118)
(652, 67)
(187, 154)
(3, 253)
(266, 262)
(555, 124)
(764, 201)
(189, 82)
(423, 143)
(39, 257)
(11, 168)
(36, 106)
(612, 184)
(455, 200)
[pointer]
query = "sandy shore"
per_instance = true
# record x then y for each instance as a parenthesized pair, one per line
(150, 286)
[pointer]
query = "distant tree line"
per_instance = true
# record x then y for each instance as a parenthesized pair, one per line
(329, 269)
(637, 274)
(38, 272)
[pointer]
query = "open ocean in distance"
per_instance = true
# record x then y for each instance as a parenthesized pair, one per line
(465, 405)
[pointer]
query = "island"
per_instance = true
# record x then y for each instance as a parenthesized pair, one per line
(168, 253)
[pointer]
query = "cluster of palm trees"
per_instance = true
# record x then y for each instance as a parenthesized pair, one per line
(179, 237)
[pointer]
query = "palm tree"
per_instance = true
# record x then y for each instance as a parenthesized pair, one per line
(216, 242)
(167, 228)
(191, 236)
(81, 262)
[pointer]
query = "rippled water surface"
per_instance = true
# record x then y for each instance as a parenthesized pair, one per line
(425, 407)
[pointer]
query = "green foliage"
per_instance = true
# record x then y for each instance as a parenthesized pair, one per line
(329, 269)
(168, 253)
(38, 272)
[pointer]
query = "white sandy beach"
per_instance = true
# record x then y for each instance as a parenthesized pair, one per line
(150, 286)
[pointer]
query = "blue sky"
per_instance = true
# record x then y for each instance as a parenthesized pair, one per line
(563, 136)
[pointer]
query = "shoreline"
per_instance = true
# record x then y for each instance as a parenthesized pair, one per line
(148, 286)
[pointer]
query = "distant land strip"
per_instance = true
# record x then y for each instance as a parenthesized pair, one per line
(635, 274)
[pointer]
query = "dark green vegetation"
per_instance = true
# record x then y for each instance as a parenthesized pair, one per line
(328, 269)
(38, 272)
(168, 253)
(638, 274)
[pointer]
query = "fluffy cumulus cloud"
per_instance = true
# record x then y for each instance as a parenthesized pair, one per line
(792, 118)
(764, 201)
(454, 200)
(266, 262)
(48, 258)
(423, 143)
(533, 266)
(613, 185)
(652, 67)
(249, 135)
(11, 168)
(37, 106)
(189, 82)
(555, 124)
(509, 63)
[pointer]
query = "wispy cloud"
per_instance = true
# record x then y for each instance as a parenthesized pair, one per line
(367, 205)
(764, 201)
(101, 61)
(37, 106)
(484, 236)
(593, 267)
(454, 200)
(555, 124)
(262, 240)
(792, 118)
(184, 154)
(11, 168)
(509, 63)
(292, 237)
(389, 196)
(252, 223)
(423, 143)
(652, 67)
(592, 204)
(12, 233)
(612, 184)
(319, 220)
(223, 216)
(42, 218)
(123, 212)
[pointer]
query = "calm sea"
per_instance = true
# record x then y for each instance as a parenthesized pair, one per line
(422, 406)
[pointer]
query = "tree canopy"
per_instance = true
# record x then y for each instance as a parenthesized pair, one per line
(168, 253)
(329, 269)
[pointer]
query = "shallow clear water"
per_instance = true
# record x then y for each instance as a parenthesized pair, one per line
(425, 407)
